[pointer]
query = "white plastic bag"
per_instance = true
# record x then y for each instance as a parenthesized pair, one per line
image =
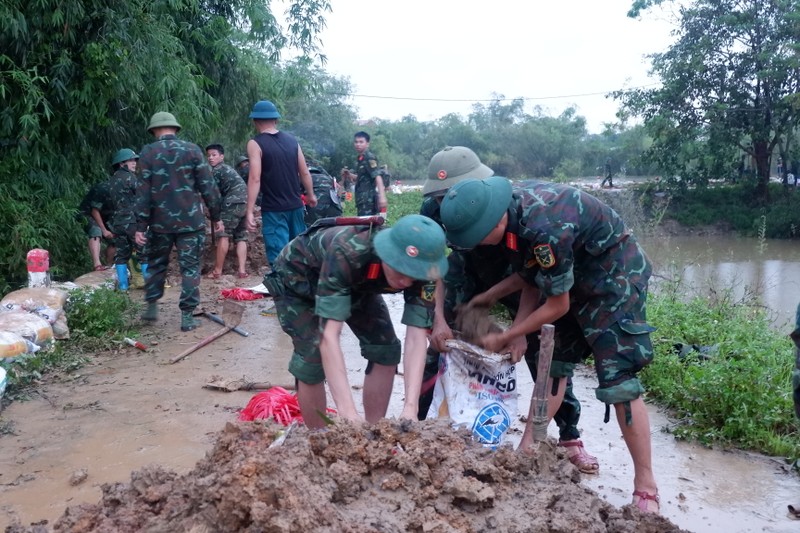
(477, 390)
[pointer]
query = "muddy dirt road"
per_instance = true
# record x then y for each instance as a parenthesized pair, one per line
(129, 409)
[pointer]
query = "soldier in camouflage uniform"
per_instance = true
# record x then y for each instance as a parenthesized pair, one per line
(578, 262)
(330, 275)
(326, 189)
(122, 189)
(475, 271)
(98, 208)
(234, 203)
(370, 191)
(173, 176)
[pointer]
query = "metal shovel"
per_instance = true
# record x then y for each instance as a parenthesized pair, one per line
(537, 415)
(231, 315)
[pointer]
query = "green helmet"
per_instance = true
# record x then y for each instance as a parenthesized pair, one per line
(415, 247)
(241, 159)
(265, 110)
(472, 208)
(163, 119)
(450, 166)
(125, 154)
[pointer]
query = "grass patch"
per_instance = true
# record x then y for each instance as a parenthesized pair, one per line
(741, 395)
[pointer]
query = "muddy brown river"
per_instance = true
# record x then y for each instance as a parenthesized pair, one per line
(130, 409)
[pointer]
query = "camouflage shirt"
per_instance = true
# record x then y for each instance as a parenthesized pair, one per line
(122, 188)
(367, 170)
(328, 203)
(99, 198)
(231, 186)
(332, 265)
(572, 242)
(174, 175)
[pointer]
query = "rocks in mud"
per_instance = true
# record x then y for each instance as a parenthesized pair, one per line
(78, 477)
(384, 477)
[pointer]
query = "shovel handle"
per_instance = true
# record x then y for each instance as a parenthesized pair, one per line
(200, 344)
(537, 414)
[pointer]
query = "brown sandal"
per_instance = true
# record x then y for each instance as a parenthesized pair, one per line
(586, 463)
(214, 275)
(644, 498)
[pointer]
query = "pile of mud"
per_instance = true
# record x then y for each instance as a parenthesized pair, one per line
(388, 477)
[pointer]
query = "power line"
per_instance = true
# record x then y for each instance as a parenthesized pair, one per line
(504, 99)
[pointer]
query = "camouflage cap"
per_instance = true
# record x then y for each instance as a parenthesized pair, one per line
(125, 154)
(415, 247)
(472, 208)
(450, 166)
(162, 119)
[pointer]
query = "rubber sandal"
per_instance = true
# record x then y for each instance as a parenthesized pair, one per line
(644, 498)
(242, 275)
(586, 463)
(214, 275)
(100, 268)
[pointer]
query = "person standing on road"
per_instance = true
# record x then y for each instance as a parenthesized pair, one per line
(278, 170)
(330, 275)
(370, 192)
(122, 189)
(475, 271)
(796, 373)
(174, 176)
(234, 202)
(98, 209)
(579, 264)
(609, 175)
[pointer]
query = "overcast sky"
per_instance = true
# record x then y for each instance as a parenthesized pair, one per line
(554, 53)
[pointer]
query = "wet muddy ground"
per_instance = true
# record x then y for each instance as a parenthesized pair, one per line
(129, 409)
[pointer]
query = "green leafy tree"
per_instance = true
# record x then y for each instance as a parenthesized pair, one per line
(730, 83)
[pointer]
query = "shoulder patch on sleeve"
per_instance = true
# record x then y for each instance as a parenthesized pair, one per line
(373, 163)
(544, 255)
(428, 291)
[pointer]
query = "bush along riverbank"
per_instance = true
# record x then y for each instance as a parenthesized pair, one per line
(722, 371)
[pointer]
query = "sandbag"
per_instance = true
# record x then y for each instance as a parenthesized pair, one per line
(11, 345)
(477, 390)
(33, 297)
(45, 302)
(97, 279)
(27, 325)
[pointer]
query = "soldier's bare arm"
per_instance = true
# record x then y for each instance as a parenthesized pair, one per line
(441, 331)
(335, 371)
(99, 219)
(416, 345)
(551, 310)
(509, 285)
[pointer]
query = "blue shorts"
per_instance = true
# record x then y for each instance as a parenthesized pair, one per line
(280, 227)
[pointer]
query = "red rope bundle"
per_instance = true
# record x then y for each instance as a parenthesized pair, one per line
(241, 294)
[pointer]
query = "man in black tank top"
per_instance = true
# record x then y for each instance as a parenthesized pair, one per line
(277, 170)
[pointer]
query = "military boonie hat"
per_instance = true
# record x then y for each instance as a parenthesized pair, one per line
(241, 159)
(163, 119)
(264, 110)
(415, 247)
(453, 165)
(125, 154)
(472, 208)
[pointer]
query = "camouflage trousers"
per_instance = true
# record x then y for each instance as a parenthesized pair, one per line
(796, 372)
(620, 352)
(369, 320)
(125, 242)
(469, 275)
(190, 249)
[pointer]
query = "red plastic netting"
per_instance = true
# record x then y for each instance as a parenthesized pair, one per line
(277, 404)
(241, 294)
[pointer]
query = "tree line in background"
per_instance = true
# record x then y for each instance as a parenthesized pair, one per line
(79, 80)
